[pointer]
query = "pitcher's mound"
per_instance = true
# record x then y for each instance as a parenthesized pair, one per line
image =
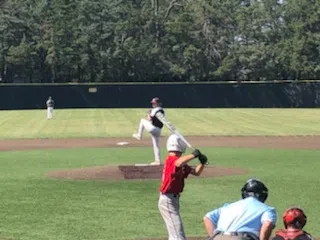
(134, 172)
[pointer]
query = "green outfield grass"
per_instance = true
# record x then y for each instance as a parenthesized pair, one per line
(34, 207)
(123, 122)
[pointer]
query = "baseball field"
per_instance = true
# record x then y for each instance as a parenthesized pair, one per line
(67, 179)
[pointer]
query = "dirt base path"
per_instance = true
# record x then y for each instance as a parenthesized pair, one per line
(287, 142)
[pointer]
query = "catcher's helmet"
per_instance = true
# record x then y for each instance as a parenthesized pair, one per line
(294, 217)
(255, 188)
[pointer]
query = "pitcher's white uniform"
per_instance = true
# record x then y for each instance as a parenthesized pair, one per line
(50, 106)
(152, 125)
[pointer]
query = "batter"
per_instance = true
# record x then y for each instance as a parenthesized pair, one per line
(175, 171)
(152, 125)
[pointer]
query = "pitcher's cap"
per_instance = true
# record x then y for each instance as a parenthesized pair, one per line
(155, 100)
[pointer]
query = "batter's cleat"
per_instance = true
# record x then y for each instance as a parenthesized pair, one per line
(136, 136)
(155, 163)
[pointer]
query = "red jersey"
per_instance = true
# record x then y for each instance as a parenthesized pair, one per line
(173, 177)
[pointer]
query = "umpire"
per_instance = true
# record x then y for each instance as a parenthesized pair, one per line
(247, 219)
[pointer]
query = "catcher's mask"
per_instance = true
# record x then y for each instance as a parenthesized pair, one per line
(294, 217)
(255, 188)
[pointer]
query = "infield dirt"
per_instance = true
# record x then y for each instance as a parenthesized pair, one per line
(285, 142)
(148, 172)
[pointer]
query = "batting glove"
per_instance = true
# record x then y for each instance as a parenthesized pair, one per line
(196, 153)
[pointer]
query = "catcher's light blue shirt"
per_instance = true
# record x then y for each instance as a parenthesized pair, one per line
(246, 215)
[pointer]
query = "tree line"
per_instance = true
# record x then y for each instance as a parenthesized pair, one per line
(158, 40)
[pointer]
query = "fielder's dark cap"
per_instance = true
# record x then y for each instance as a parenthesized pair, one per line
(155, 100)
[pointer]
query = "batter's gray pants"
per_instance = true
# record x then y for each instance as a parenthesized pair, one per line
(169, 207)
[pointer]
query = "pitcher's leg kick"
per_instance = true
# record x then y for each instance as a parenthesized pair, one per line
(152, 125)
(155, 135)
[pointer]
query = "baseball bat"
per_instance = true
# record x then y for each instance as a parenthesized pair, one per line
(172, 129)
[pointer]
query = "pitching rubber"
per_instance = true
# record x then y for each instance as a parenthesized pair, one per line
(142, 164)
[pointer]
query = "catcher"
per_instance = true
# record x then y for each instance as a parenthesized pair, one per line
(175, 170)
(294, 219)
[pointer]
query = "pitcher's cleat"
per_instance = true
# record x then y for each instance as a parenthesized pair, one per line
(136, 136)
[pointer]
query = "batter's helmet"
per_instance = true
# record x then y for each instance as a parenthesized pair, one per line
(175, 144)
(255, 188)
(294, 217)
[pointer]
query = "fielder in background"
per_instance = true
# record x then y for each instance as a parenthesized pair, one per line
(153, 125)
(50, 106)
(294, 220)
(247, 219)
(175, 171)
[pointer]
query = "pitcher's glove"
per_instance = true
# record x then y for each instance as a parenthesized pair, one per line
(203, 159)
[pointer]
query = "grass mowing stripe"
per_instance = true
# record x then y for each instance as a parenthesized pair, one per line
(247, 122)
(123, 122)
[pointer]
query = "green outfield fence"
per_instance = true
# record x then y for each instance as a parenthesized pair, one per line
(229, 94)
